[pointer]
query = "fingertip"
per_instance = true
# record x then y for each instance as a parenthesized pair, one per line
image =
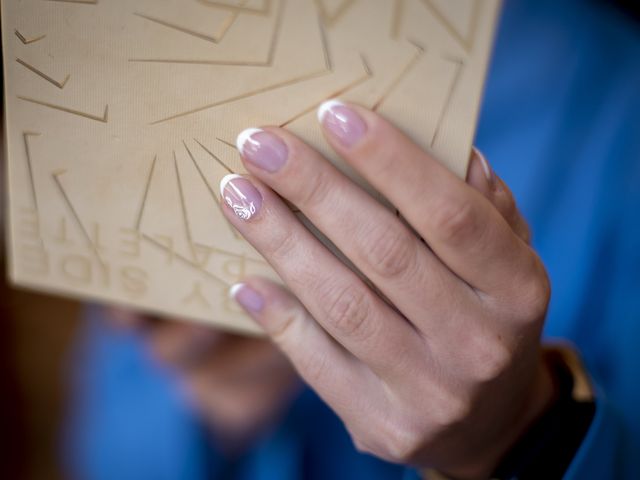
(480, 175)
(245, 136)
(235, 288)
(268, 303)
(342, 123)
(486, 168)
(326, 107)
(225, 180)
(247, 297)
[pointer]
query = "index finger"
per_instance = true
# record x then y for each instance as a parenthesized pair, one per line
(460, 225)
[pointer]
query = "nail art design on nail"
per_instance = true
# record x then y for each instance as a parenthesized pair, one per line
(240, 195)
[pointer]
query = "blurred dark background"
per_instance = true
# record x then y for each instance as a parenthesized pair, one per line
(631, 7)
(36, 332)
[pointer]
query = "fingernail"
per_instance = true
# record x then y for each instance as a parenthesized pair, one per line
(247, 297)
(263, 149)
(341, 122)
(241, 196)
(486, 168)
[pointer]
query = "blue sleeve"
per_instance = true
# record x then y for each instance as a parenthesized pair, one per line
(126, 419)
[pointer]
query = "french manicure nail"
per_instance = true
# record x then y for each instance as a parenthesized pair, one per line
(247, 297)
(342, 122)
(241, 196)
(486, 168)
(263, 149)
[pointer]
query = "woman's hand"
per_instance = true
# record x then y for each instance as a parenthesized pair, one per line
(434, 362)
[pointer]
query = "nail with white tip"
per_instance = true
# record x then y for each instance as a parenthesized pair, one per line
(247, 297)
(233, 291)
(241, 196)
(342, 123)
(262, 149)
(326, 107)
(486, 168)
(244, 137)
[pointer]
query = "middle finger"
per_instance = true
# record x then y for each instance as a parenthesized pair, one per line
(370, 235)
(334, 295)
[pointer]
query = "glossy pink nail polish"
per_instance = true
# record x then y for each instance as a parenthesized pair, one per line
(263, 149)
(486, 168)
(241, 196)
(247, 297)
(342, 122)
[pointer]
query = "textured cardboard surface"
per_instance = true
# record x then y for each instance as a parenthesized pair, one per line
(121, 117)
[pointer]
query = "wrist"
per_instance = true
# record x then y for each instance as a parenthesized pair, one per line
(536, 398)
(543, 393)
(547, 449)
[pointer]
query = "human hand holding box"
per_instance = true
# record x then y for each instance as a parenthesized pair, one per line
(121, 119)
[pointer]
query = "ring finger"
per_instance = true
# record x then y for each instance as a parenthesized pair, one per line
(334, 295)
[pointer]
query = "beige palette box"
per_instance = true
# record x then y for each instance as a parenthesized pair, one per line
(121, 118)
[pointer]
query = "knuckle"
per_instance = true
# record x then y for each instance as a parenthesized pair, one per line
(451, 411)
(401, 433)
(491, 363)
(389, 251)
(395, 437)
(537, 299)
(359, 445)
(315, 368)
(508, 208)
(282, 245)
(282, 328)
(383, 146)
(506, 203)
(523, 231)
(362, 437)
(459, 411)
(376, 447)
(347, 309)
(403, 443)
(455, 221)
(534, 293)
(315, 190)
